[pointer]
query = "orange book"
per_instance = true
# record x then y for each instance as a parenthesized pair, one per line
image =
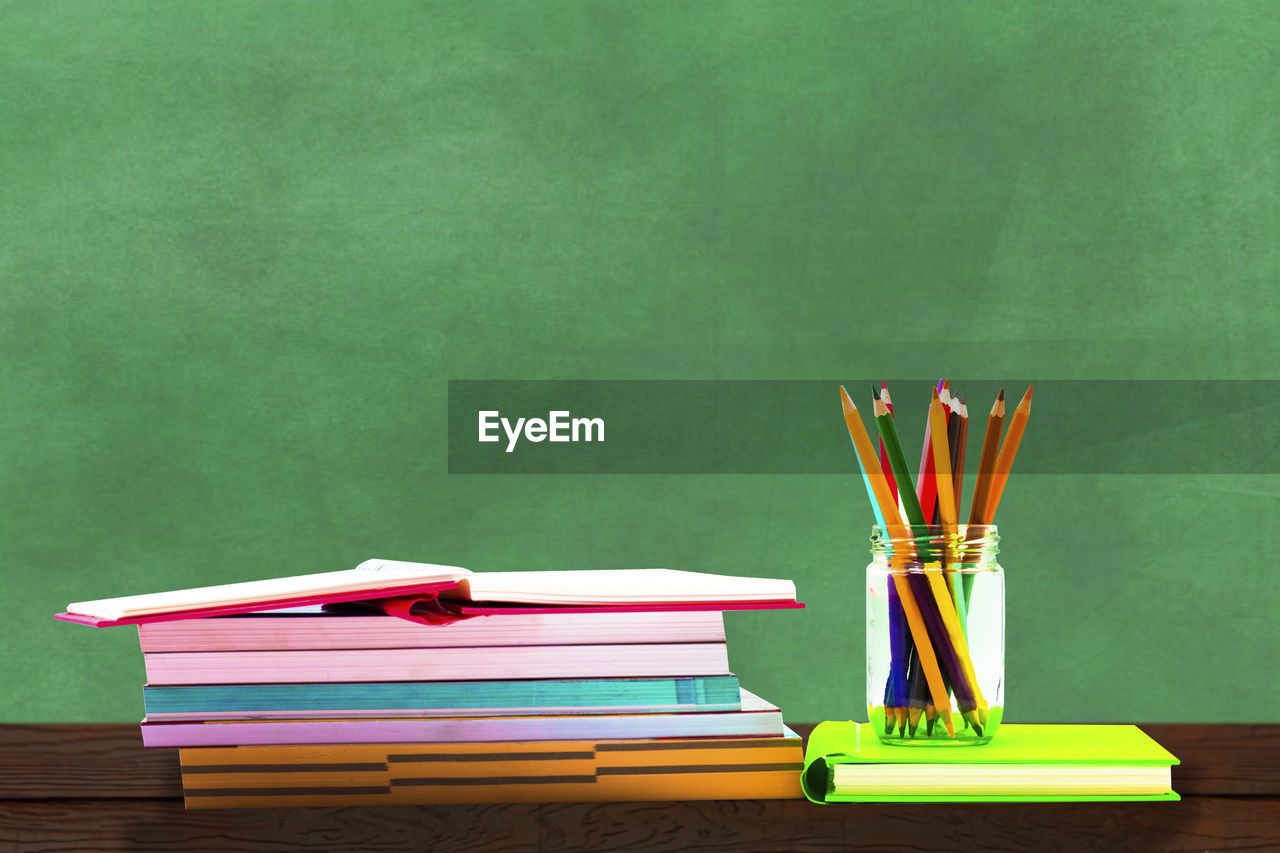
(493, 772)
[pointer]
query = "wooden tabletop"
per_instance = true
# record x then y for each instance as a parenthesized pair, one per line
(93, 787)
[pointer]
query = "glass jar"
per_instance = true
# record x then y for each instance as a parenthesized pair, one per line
(945, 589)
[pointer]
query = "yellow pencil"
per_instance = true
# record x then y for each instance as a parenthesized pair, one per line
(942, 467)
(899, 534)
(947, 513)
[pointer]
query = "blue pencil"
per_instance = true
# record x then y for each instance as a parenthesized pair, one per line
(896, 696)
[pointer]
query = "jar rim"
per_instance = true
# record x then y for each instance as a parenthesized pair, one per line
(961, 544)
(978, 533)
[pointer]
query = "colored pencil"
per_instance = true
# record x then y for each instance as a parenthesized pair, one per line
(953, 425)
(940, 620)
(909, 503)
(884, 459)
(963, 679)
(898, 463)
(1008, 450)
(896, 683)
(960, 417)
(897, 532)
(987, 461)
(902, 650)
(916, 619)
(982, 488)
(957, 434)
(939, 447)
(926, 485)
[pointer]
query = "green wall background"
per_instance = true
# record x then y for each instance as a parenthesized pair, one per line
(245, 245)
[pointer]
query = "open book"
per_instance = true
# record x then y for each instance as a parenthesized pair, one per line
(431, 593)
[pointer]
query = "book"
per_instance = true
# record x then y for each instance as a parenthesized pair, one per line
(314, 628)
(442, 698)
(371, 579)
(756, 718)
(534, 771)
(846, 762)
(449, 592)
(464, 663)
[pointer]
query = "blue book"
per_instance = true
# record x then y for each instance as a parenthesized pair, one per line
(442, 698)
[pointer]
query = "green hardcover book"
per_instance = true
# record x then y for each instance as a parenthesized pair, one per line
(846, 763)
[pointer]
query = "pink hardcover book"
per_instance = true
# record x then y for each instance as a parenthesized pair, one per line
(460, 664)
(431, 593)
(369, 628)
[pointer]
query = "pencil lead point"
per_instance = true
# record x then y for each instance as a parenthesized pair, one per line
(1000, 396)
(875, 394)
(884, 384)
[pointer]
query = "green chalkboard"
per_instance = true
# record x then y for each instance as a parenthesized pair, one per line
(244, 246)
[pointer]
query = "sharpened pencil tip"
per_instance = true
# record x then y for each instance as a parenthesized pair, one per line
(884, 384)
(1000, 396)
(846, 402)
(875, 392)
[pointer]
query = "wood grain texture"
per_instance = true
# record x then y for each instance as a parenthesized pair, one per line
(93, 761)
(1235, 760)
(1197, 824)
(81, 787)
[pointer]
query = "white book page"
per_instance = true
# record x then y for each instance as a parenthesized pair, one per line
(371, 575)
(622, 586)
(1000, 779)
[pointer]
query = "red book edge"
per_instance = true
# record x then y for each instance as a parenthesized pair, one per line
(445, 611)
(300, 601)
(421, 603)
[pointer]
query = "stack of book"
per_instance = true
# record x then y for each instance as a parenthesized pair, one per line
(443, 686)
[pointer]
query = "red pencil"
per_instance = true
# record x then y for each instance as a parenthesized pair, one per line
(884, 457)
(926, 485)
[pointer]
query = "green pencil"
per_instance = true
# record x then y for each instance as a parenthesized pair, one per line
(898, 462)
